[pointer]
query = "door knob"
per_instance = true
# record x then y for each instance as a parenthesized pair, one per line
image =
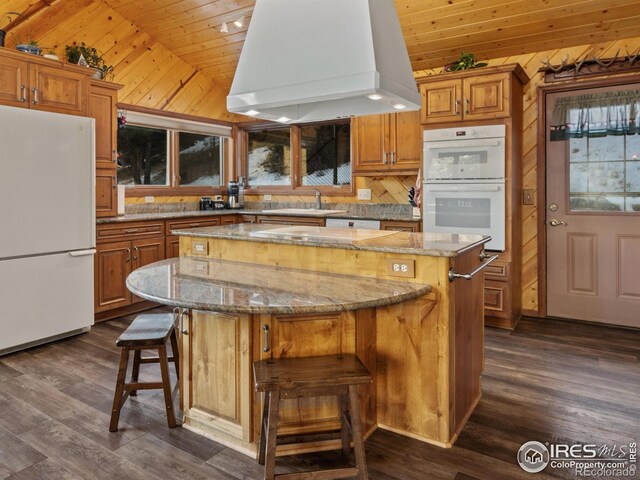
(555, 223)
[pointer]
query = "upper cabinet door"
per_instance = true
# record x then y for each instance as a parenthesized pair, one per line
(56, 90)
(13, 82)
(406, 135)
(371, 149)
(486, 97)
(441, 101)
(102, 107)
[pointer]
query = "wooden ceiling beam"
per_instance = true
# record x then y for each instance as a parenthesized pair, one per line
(31, 11)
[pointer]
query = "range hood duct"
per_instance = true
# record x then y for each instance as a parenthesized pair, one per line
(313, 60)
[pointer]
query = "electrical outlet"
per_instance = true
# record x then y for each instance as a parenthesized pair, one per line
(527, 197)
(397, 267)
(149, 199)
(199, 247)
(266, 198)
(364, 194)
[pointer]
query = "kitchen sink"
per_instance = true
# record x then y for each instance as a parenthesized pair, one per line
(304, 211)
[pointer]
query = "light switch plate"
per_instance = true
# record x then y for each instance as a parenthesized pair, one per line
(199, 247)
(364, 194)
(527, 197)
(149, 199)
(401, 267)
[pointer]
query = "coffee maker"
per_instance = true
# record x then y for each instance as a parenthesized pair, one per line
(233, 194)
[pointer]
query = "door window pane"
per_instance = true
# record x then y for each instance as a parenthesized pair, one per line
(325, 154)
(200, 159)
(604, 173)
(142, 156)
(269, 157)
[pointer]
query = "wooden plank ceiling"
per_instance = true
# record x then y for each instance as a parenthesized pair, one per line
(436, 31)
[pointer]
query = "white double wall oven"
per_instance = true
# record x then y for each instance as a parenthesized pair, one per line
(464, 182)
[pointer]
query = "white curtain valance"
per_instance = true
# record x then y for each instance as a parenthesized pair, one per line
(596, 115)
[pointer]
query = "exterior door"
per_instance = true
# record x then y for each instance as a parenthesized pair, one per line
(593, 226)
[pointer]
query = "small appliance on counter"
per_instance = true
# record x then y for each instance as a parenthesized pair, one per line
(206, 203)
(233, 195)
(241, 184)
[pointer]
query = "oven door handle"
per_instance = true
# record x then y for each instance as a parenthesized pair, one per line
(470, 143)
(430, 187)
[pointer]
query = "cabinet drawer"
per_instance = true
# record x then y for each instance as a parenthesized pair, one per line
(192, 223)
(497, 271)
(108, 232)
(247, 218)
(291, 221)
(400, 226)
(497, 299)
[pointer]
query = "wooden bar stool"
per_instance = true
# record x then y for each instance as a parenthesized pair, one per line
(150, 331)
(312, 377)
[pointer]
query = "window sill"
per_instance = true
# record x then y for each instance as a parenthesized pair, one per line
(347, 190)
(160, 191)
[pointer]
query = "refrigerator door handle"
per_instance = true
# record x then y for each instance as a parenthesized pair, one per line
(82, 253)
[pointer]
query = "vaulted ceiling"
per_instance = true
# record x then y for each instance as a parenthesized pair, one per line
(436, 31)
(178, 44)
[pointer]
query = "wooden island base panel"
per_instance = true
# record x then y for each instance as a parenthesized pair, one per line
(425, 354)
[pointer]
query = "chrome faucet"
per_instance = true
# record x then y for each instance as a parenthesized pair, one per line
(318, 200)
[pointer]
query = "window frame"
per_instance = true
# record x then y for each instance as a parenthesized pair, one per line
(173, 186)
(296, 187)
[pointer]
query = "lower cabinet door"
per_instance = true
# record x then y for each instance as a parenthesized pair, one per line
(172, 246)
(497, 299)
(216, 375)
(308, 335)
(112, 265)
(144, 252)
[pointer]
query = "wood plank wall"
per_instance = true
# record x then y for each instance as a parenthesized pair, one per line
(531, 63)
(152, 75)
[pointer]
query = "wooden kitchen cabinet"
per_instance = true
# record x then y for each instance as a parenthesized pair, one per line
(400, 226)
(121, 248)
(283, 220)
(389, 143)
(482, 94)
(216, 374)
(102, 107)
(489, 96)
(106, 192)
(29, 81)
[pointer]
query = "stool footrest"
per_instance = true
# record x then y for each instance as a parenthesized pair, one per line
(143, 386)
(308, 438)
(334, 473)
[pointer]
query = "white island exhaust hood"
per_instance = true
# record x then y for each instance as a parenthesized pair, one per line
(313, 60)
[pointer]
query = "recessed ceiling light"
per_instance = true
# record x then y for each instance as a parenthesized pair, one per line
(399, 106)
(238, 23)
(375, 96)
(284, 119)
(224, 28)
(252, 112)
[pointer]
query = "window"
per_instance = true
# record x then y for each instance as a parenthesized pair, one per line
(269, 158)
(304, 157)
(143, 156)
(325, 154)
(156, 153)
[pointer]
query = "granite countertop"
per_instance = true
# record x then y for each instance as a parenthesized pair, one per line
(138, 217)
(428, 244)
(234, 287)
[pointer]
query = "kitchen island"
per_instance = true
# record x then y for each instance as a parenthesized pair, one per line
(248, 292)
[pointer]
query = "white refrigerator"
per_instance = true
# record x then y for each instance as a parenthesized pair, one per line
(47, 226)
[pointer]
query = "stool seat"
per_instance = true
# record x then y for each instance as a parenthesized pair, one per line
(147, 329)
(146, 332)
(309, 372)
(287, 378)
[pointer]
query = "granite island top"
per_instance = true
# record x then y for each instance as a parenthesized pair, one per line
(387, 241)
(234, 287)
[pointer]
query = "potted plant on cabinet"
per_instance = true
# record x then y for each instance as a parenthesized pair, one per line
(6, 17)
(89, 57)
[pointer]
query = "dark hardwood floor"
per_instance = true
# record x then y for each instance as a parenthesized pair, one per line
(550, 381)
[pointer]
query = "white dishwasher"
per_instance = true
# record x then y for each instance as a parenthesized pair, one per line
(346, 223)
